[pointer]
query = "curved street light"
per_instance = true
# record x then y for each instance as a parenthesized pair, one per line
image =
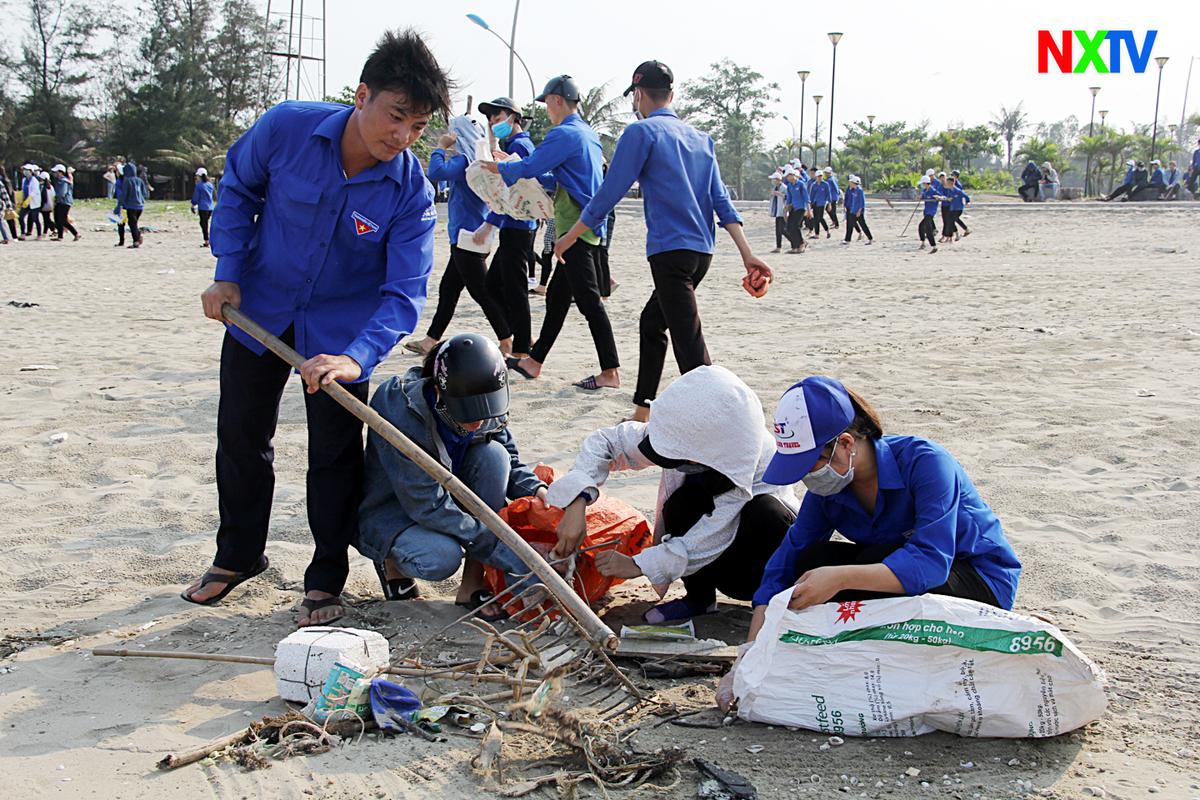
(1162, 62)
(481, 22)
(1087, 171)
(835, 37)
(794, 139)
(817, 127)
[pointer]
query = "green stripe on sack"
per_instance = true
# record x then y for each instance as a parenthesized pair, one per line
(936, 633)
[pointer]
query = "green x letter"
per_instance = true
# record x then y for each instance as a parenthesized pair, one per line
(1091, 51)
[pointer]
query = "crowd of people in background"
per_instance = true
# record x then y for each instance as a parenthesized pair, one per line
(1154, 183)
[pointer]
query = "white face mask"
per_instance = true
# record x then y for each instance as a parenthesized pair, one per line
(827, 481)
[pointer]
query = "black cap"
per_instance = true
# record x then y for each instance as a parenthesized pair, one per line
(563, 86)
(497, 105)
(471, 377)
(657, 458)
(651, 75)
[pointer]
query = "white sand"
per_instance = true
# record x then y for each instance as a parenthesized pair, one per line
(1056, 352)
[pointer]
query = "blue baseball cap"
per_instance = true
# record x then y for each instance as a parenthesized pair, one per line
(810, 414)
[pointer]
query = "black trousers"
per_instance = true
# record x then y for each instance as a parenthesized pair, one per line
(738, 571)
(1028, 193)
(603, 273)
(833, 214)
(48, 222)
(12, 228)
(205, 216)
(958, 223)
(857, 222)
(508, 283)
(780, 226)
(818, 220)
(576, 280)
(964, 581)
(251, 387)
(671, 307)
(134, 214)
(925, 231)
(29, 219)
(795, 227)
(468, 270)
(62, 220)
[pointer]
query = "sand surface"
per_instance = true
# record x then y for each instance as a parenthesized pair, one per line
(1056, 352)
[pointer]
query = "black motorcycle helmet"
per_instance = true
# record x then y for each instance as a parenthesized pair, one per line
(471, 377)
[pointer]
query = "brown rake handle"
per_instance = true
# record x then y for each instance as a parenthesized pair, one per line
(596, 630)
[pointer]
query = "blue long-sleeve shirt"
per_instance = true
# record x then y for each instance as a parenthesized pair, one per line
(131, 190)
(1196, 159)
(797, 195)
(521, 145)
(926, 505)
(676, 167)
(571, 153)
(464, 209)
(956, 198)
(835, 191)
(931, 196)
(202, 196)
(343, 260)
(1128, 177)
(64, 191)
(856, 200)
(1158, 178)
(819, 190)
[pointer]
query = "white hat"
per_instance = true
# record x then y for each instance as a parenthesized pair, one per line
(776, 175)
(45, 175)
(1156, 161)
(201, 171)
(788, 171)
(829, 170)
(27, 166)
(853, 179)
(941, 174)
(795, 162)
(926, 179)
(58, 168)
(1045, 163)
(929, 172)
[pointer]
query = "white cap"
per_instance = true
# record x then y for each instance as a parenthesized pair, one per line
(929, 172)
(1156, 161)
(58, 168)
(45, 175)
(853, 179)
(795, 162)
(1045, 163)
(941, 174)
(926, 179)
(1130, 163)
(829, 170)
(788, 171)
(776, 175)
(28, 166)
(201, 171)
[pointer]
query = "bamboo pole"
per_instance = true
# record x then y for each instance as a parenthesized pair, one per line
(571, 602)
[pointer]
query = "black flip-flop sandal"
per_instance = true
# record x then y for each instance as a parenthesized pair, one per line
(310, 605)
(231, 582)
(479, 599)
(588, 384)
(396, 588)
(515, 365)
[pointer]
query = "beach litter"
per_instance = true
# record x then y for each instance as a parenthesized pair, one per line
(37, 367)
(22, 304)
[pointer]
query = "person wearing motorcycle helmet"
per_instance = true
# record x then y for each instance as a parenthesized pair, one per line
(454, 407)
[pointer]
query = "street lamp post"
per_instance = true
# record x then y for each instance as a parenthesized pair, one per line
(1103, 115)
(817, 126)
(1172, 128)
(512, 53)
(794, 140)
(870, 123)
(1162, 62)
(803, 73)
(834, 37)
(1087, 174)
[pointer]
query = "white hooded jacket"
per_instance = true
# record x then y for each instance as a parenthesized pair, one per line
(707, 416)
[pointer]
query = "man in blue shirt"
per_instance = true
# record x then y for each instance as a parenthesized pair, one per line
(507, 279)
(203, 201)
(64, 198)
(835, 194)
(324, 235)
(676, 167)
(856, 207)
(568, 163)
(818, 188)
(798, 208)
(931, 196)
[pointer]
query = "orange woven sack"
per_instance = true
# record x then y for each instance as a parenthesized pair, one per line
(608, 520)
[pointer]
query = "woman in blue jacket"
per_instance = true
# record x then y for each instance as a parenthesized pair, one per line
(856, 209)
(203, 201)
(465, 211)
(915, 522)
(454, 407)
(818, 190)
(131, 196)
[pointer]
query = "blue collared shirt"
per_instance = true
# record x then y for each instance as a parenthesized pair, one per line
(676, 167)
(1158, 178)
(835, 191)
(856, 201)
(820, 192)
(519, 144)
(572, 156)
(344, 260)
(464, 209)
(202, 196)
(931, 196)
(956, 198)
(64, 191)
(797, 195)
(926, 505)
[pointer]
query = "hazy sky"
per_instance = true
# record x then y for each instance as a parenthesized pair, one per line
(945, 62)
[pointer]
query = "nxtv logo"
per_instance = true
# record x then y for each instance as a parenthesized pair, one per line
(1090, 44)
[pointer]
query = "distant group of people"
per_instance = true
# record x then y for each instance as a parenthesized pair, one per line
(39, 206)
(802, 196)
(946, 190)
(1039, 183)
(1154, 183)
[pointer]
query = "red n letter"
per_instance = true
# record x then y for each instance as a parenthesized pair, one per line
(1047, 46)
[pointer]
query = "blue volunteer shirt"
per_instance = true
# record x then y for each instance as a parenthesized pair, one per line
(676, 167)
(343, 260)
(856, 201)
(835, 191)
(1128, 177)
(202, 196)
(571, 153)
(820, 193)
(464, 209)
(518, 144)
(1158, 178)
(956, 198)
(797, 195)
(931, 196)
(1196, 159)
(64, 191)
(926, 505)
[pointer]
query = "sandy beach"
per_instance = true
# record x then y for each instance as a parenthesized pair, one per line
(1055, 352)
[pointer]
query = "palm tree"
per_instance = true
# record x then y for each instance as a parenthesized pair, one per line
(1008, 123)
(1040, 151)
(605, 114)
(1092, 148)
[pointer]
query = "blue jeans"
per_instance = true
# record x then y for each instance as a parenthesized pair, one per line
(435, 556)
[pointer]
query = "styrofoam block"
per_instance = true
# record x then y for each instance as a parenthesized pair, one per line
(303, 659)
